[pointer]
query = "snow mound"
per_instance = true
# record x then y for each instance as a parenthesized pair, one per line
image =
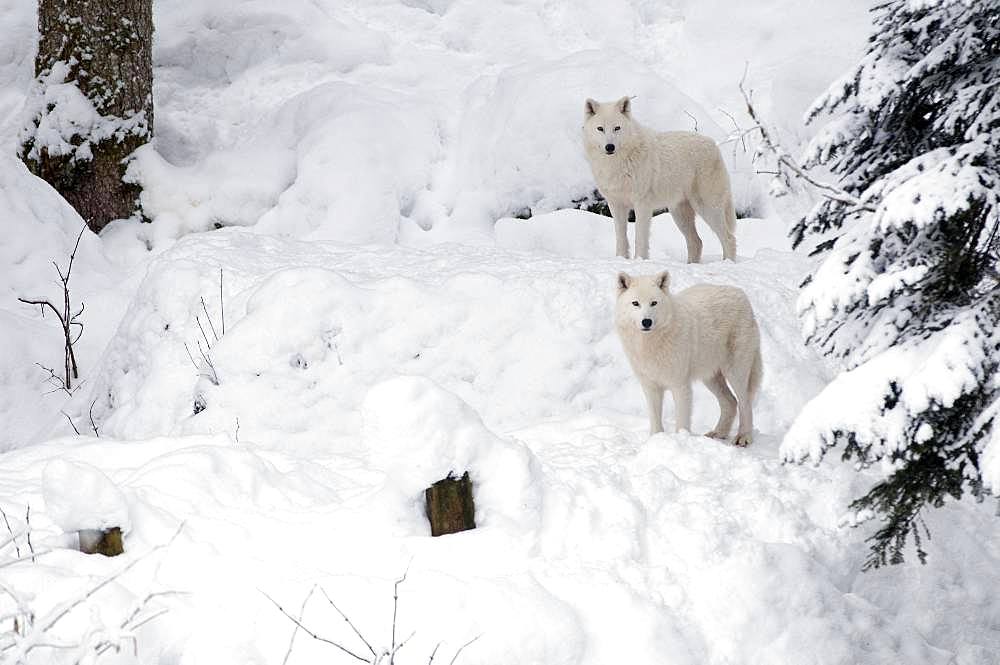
(303, 345)
(418, 434)
(80, 496)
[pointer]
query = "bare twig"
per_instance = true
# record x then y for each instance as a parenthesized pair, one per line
(222, 303)
(13, 538)
(93, 425)
(71, 422)
(38, 635)
(67, 607)
(295, 631)
(311, 633)
(738, 134)
(395, 649)
(433, 653)
(66, 318)
(787, 163)
(462, 648)
(132, 621)
(692, 118)
(27, 531)
(211, 325)
(16, 560)
(197, 319)
(349, 622)
(395, 607)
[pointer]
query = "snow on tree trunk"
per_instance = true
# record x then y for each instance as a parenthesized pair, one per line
(908, 296)
(91, 104)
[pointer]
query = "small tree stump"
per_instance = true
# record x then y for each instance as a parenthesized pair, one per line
(450, 507)
(97, 541)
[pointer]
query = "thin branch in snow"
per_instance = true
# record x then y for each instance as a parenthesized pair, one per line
(311, 633)
(349, 622)
(462, 648)
(71, 422)
(13, 538)
(787, 164)
(295, 631)
(222, 303)
(695, 120)
(211, 325)
(66, 318)
(93, 425)
(27, 531)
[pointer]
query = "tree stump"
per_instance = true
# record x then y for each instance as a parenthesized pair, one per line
(101, 541)
(450, 507)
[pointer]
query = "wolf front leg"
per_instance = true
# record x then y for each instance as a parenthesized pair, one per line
(682, 407)
(654, 401)
(619, 211)
(643, 222)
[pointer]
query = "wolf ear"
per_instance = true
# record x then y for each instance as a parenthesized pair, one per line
(663, 281)
(590, 108)
(625, 105)
(624, 280)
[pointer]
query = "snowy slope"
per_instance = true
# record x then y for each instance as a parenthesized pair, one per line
(387, 321)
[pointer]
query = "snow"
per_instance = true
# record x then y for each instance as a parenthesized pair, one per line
(79, 496)
(388, 321)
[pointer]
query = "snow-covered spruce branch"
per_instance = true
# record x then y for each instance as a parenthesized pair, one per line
(385, 656)
(72, 329)
(30, 633)
(787, 166)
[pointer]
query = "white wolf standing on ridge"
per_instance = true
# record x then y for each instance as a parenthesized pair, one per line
(639, 169)
(705, 333)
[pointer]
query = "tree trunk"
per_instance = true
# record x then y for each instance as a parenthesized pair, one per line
(450, 508)
(92, 102)
(101, 541)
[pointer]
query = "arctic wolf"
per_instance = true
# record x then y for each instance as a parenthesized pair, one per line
(639, 169)
(706, 333)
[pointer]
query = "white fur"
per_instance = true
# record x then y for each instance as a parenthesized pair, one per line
(705, 333)
(682, 171)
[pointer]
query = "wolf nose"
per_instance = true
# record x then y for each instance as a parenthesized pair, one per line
(609, 148)
(647, 323)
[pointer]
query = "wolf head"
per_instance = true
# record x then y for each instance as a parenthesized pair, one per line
(608, 126)
(643, 301)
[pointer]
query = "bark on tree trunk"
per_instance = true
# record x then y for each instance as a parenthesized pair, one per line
(102, 541)
(450, 507)
(92, 102)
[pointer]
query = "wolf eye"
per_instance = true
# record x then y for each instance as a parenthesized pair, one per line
(618, 129)
(600, 129)
(652, 304)
(635, 303)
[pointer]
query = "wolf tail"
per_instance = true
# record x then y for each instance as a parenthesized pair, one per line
(730, 216)
(756, 375)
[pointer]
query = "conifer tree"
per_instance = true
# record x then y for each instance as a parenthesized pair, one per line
(907, 297)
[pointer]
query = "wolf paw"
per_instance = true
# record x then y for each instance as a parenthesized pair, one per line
(716, 434)
(743, 440)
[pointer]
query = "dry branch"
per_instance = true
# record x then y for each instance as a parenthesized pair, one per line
(788, 167)
(67, 319)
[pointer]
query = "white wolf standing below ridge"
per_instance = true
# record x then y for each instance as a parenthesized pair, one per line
(640, 169)
(705, 333)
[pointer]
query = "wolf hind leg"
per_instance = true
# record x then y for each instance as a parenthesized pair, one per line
(727, 406)
(683, 215)
(741, 380)
(717, 215)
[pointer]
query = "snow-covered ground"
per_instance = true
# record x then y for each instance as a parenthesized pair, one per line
(387, 321)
